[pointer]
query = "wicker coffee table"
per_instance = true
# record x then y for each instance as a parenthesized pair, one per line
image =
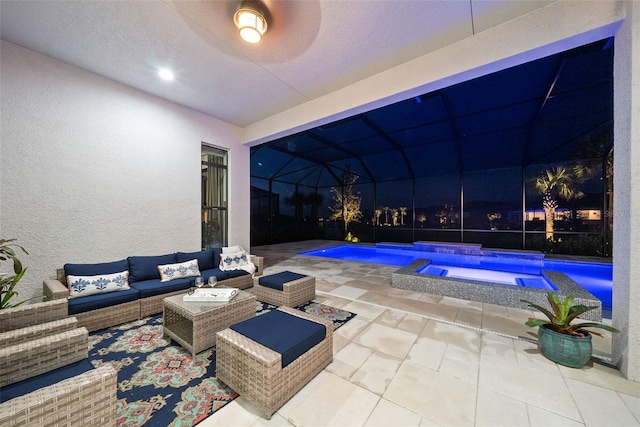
(194, 324)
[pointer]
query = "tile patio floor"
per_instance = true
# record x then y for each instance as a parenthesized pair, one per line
(412, 359)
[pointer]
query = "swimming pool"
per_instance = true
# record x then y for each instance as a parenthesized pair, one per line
(516, 268)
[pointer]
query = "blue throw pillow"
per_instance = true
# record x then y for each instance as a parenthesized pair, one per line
(96, 269)
(146, 267)
(205, 258)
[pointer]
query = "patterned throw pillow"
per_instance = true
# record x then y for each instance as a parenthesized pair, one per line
(233, 260)
(80, 286)
(237, 261)
(179, 270)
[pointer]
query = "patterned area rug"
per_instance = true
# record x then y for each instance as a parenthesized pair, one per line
(159, 382)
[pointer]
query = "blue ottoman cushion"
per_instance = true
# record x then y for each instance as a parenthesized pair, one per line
(289, 335)
(29, 385)
(276, 281)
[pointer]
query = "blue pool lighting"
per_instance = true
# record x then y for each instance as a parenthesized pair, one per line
(520, 268)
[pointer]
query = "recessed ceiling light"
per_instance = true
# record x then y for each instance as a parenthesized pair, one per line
(165, 74)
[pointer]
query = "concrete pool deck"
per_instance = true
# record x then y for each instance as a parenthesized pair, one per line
(415, 359)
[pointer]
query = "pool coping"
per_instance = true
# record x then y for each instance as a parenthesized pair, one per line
(493, 293)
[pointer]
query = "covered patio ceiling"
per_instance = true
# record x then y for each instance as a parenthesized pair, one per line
(542, 112)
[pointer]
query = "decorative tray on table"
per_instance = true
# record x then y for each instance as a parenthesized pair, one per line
(211, 295)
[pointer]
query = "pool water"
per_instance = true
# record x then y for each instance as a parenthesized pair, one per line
(492, 276)
(512, 268)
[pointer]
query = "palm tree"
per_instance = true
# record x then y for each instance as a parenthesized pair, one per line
(596, 156)
(378, 212)
(492, 217)
(552, 184)
(403, 213)
(386, 214)
(296, 200)
(314, 200)
(394, 216)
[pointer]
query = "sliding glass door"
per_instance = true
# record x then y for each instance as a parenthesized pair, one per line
(214, 197)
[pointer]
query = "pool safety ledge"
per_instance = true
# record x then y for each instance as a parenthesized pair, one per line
(493, 293)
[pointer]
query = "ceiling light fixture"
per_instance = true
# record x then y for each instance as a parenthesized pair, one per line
(251, 22)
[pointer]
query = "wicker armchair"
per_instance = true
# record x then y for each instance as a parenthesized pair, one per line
(85, 399)
(32, 314)
(42, 330)
(30, 358)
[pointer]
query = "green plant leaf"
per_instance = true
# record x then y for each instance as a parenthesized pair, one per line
(9, 282)
(577, 310)
(536, 322)
(7, 292)
(578, 326)
(17, 265)
(565, 313)
(539, 308)
(555, 303)
(561, 308)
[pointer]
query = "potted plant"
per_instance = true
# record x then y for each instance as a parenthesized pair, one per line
(8, 282)
(561, 341)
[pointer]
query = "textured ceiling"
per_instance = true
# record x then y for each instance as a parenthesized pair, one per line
(312, 47)
(530, 114)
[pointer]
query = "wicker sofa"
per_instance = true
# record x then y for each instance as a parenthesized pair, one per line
(45, 376)
(144, 298)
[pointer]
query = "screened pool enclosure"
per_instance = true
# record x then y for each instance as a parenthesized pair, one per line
(518, 159)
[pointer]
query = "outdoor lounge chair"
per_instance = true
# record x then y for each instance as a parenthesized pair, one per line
(45, 376)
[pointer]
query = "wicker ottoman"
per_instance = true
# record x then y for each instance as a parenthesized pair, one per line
(285, 288)
(255, 371)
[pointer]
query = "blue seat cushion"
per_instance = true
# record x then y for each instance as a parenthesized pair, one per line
(220, 275)
(289, 335)
(96, 301)
(276, 281)
(150, 288)
(236, 273)
(96, 269)
(29, 385)
(205, 258)
(146, 267)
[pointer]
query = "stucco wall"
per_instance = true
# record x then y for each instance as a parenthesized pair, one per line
(94, 171)
(626, 232)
